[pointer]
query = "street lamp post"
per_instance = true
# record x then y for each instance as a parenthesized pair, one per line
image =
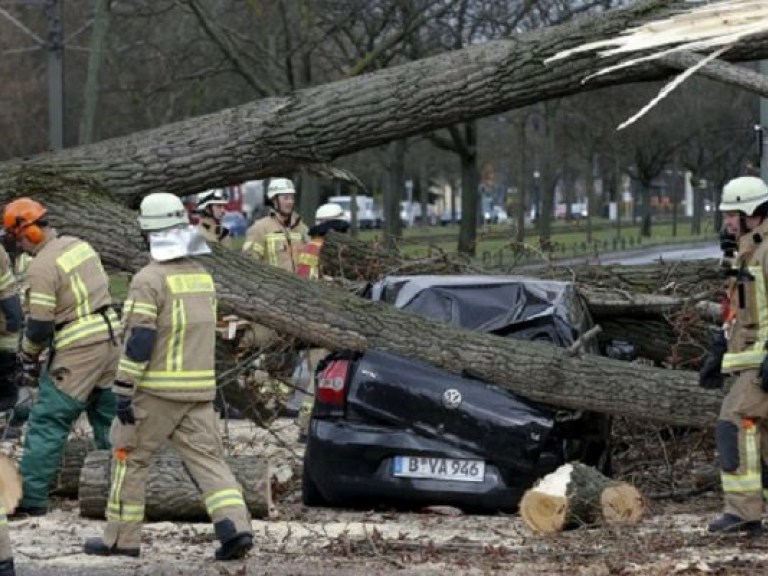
(536, 195)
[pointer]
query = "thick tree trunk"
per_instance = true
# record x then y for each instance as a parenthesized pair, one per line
(577, 495)
(68, 481)
(171, 494)
(274, 136)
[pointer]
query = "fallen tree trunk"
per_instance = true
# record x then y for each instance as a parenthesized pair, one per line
(275, 136)
(68, 481)
(171, 494)
(330, 318)
(577, 495)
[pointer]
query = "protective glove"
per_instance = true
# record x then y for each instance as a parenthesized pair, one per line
(29, 368)
(764, 375)
(124, 409)
(728, 243)
(711, 373)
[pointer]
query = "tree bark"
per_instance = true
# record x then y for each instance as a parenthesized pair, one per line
(331, 318)
(68, 481)
(274, 136)
(171, 494)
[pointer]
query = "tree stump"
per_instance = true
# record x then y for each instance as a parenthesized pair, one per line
(576, 495)
(171, 494)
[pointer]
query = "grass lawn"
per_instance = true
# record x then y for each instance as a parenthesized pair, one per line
(569, 240)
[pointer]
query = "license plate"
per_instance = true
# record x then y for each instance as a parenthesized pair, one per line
(439, 468)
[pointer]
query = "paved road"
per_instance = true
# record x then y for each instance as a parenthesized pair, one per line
(698, 251)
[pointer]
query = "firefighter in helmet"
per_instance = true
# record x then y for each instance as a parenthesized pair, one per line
(166, 384)
(278, 237)
(210, 210)
(327, 217)
(70, 314)
(740, 350)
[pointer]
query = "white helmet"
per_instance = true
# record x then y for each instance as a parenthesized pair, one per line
(211, 198)
(280, 186)
(744, 194)
(329, 212)
(161, 210)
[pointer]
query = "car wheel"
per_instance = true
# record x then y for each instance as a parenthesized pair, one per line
(310, 495)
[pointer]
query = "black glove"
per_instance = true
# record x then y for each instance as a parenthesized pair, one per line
(124, 411)
(764, 375)
(711, 373)
(29, 368)
(728, 243)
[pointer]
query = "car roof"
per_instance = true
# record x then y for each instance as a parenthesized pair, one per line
(487, 303)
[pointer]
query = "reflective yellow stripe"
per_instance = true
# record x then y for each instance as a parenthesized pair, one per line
(6, 280)
(9, 342)
(186, 379)
(84, 328)
(131, 306)
(308, 259)
(272, 240)
(130, 367)
(190, 284)
(82, 304)
(751, 480)
(251, 246)
(124, 512)
(224, 498)
(75, 256)
(753, 356)
(42, 299)
(117, 486)
(175, 349)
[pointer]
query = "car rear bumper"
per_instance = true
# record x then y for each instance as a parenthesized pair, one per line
(352, 463)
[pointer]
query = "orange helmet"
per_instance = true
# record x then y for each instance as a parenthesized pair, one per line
(21, 215)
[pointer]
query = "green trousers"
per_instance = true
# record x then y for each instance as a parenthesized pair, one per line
(50, 421)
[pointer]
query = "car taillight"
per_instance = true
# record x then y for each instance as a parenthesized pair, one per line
(332, 383)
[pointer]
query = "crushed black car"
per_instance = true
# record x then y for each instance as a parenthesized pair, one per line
(389, 430)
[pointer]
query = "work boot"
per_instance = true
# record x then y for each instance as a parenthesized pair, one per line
(6, 568)
(730, 523)
(235, 548)
(95, 546)
(23, 512)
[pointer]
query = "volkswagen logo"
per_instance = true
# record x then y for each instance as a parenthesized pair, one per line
(451, 398)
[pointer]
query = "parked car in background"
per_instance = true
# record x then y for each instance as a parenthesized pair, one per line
(236, 223)
(447, 217)
(496, 215)
(368, 214)
(386, 429)
(578, 211)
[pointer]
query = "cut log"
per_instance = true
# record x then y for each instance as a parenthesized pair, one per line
(171, 494)
(68, 481)
(10, 484)
(577, 495)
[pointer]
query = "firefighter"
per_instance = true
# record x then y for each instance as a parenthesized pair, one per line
(210, 210)
(70, 314)
(277, 237)
(327, 217)
(10, 324)
(740, 349)
(165, 386)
